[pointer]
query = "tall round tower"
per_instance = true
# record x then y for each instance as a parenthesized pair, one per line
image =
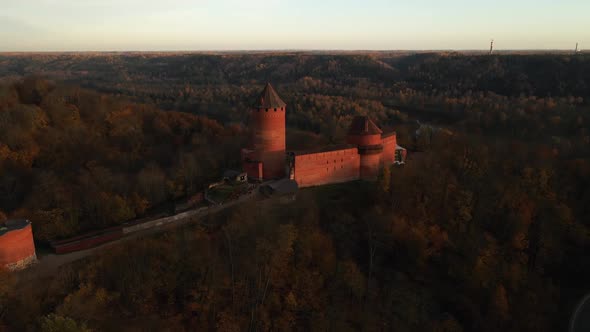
(267, 122)
(367, 136)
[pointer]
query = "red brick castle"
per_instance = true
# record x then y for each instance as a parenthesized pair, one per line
(366, 152)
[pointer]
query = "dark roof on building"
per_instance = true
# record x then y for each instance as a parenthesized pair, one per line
(362, 125)
(269, 99)
(230, 173)
(281, 187)
(12, 225)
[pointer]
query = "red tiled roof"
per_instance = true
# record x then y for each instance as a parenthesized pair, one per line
(269, 99)
(362, 125)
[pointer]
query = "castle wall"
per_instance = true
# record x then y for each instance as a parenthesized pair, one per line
(364, 140)
(370, 164)
(389, 144)
(17, 249)
(327, 167)
(268, 140)
(254, 170)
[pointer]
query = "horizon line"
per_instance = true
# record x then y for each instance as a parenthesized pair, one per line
(301, 50)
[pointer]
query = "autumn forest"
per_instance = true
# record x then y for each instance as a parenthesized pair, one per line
(485, 228)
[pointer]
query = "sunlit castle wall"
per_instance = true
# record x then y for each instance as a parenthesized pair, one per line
(17, 248)
(314, 169)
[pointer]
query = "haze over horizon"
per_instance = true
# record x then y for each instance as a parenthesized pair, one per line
(204, 25)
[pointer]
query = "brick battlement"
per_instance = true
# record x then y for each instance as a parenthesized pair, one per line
(269, 115)
(320, 155)
(269, 110)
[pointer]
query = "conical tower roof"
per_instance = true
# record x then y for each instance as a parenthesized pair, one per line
(269, 99)
(362, 125)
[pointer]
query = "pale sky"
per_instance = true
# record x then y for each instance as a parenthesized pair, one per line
(150, 25)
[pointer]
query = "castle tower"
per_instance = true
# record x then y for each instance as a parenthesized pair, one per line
(367, 136)
(265, 158)
(17, 249)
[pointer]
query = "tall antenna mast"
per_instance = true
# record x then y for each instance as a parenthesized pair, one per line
(491, 46)
(576, 51)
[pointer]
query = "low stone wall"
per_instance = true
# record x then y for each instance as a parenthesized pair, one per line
(162, 221)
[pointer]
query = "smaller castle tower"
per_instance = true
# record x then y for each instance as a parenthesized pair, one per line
(367, 136)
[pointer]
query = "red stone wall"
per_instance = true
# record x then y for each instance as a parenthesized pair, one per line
(327, 167)
(389, 144)
(16, 246)
(254, 170)
(268, 140)
(364, 140)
